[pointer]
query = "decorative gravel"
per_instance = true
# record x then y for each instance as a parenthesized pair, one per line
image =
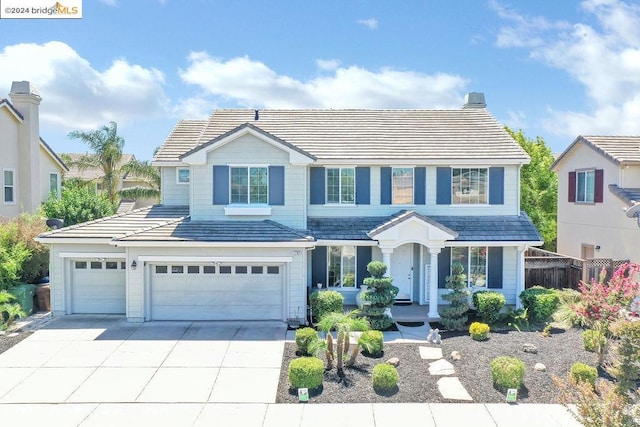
(6, 342)
(557, 353)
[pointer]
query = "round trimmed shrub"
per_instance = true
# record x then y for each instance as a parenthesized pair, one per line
(581, 372)
(372, 342)
(593, 340)
(385, 377)
(479, 331)
(326, 302)
(540, 303)
(507, 372)
(304, 338)
(306, 372)
(488, 305)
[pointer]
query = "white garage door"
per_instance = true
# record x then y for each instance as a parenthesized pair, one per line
(98, 286)
(216, 292)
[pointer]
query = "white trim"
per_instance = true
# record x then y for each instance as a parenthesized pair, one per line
(178, 169)
(58, 184)
(7, 105)
(170, 164)
(325, 242)
(88, 240)
(210, 259)
(247, 210)
(326, 186)
(13, 186)
(493, 244)
(105, 255)
(431, 162)
(192, 244)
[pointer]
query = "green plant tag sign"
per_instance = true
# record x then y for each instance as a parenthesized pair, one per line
(512, 395)
(303, 394)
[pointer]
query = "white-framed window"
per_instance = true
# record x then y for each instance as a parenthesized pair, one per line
(341, 186)
(54, 184)
(162, 269)
(9, 185)
(470, 186)
(249, 185)
(183, 176)
(402, 186)
(342, 266)
(585, 186)
(474, 260)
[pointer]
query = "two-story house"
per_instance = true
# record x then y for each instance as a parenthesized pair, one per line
(260, 207)
(31, 170)
(598, 179)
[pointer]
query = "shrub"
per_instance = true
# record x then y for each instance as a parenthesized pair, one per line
(566, 314)
(306, 372)
(385, 377)
(626, 360)
(305, 337)
(372, 342)
(488, 304)
(454, 317)
(19, 233)
(540, 302)
(582, 372)
(507, 372)
(379, 296)
(479, 331)
(593, 340)
(326, 302)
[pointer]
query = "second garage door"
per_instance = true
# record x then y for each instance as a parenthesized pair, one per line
(216, 292)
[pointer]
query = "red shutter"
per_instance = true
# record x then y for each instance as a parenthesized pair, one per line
(572, 187)
(599, 187)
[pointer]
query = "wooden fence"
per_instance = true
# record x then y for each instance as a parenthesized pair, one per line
(552, 270)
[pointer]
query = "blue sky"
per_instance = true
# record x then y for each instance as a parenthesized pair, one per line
(554, 69)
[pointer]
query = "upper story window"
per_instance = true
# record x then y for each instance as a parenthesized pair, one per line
(249, 185)
(183, 176)
(9, 186)
(402, 186)
(469, 186)
(341, 185)
(53, 184)
(585, 186)
(474, 260)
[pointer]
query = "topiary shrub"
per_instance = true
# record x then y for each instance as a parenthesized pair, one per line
(305, 337)
(593, 341)
(582, 372)
(507, 372)
(454, 317)
(479, 331)
(379, 296)
(372, 342)
(488, 305)
(306, 372)
(325, 302)
(540, 302)
(385, 377)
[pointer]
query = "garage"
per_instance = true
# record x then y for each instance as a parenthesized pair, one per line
(217, 291)
(98, 286)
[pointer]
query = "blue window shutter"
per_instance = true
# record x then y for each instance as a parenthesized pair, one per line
(276, 185)
(419, 185)
(385, 186)
(494, 273)
(317, 186)
(443, 186)
(444, 266)
(496, 186)
(319, 266)
(221, 185)
(363, 186)
(363, 256)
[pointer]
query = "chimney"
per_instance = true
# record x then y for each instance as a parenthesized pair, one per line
(25, 98)
(474, 100)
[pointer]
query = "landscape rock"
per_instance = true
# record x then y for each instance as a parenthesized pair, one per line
(529, 348)
(430, 353)
(394, 361)
(540, 367)
(452, 388)
(455, 355)
(441, 367)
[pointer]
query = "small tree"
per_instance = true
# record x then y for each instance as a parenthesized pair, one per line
(77, 204)
(454, 317)
(379, 296)
(342, 322)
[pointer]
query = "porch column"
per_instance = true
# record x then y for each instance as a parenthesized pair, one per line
(433, 283)
(519, 274)
(386, 259)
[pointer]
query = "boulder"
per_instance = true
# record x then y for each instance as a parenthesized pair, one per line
(529, 348)
(394, 361)
(540, 367)
(456, 355)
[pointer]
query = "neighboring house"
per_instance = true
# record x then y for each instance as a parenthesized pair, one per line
(258, 207)
(31, 170)
(598, 179)
(95, 176)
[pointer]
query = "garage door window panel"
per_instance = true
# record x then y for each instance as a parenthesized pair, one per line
(111, 265)
(209, 269)
(96, 265)
(81, 265)
(193, 269)
(177, 269)
(225, 269)
(257, 269)
(161, 269)
(273, 269)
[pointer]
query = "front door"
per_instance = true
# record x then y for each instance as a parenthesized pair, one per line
(402, 271)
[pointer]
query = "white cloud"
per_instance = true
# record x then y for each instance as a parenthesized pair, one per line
(604, 57)
(516, 120)
(76, 95)
(327, 64)
(370, 23)
(250, 83)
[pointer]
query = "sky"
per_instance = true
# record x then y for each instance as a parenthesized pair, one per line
(554, 69)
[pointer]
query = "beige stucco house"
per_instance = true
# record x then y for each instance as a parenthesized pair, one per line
(31, 170)
(598, 181)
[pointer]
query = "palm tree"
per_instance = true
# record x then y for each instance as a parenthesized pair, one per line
(149, 176)
(106, 154)
(343, 323)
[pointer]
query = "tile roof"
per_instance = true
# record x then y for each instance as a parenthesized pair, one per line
(411, 135)
(493, 228)
(618, 149)
(90, 173)
(53, 154)
(120, 224)
(627, 195)
(8, 104)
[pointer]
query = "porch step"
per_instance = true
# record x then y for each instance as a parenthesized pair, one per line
(402, 299)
